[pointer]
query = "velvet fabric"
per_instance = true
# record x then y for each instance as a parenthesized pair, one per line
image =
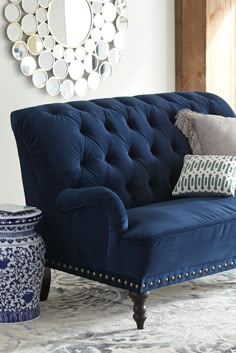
(103, 171)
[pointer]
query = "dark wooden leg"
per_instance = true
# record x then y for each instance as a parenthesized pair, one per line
(139, 308)
(45, 284)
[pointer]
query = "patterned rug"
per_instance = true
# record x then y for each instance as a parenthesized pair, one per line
(82, 316)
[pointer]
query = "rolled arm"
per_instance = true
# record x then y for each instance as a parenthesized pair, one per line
(90, 222)
(100, 197)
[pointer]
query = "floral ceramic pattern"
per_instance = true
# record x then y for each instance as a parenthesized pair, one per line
(21, 268)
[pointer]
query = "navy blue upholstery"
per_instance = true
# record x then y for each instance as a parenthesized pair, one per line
(103, 171)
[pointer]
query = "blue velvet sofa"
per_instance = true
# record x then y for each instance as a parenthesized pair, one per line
(102, 172)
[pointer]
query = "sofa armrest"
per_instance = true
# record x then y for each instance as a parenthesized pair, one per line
(100, 197)
(89, 222)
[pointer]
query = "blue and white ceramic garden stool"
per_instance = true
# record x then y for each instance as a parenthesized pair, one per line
(22, 253)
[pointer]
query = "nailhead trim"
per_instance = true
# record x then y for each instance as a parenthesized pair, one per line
(144, 285)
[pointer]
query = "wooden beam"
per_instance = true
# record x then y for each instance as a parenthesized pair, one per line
(190, 45)
(206, 47)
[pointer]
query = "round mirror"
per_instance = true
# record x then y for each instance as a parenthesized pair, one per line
(90, 63)
(81, 87)
(49, 43)
(35, 44)
(41, 14)
(12, 13)
(14, 32)
(58, 51)
(60, 69)
(70, 21)
(96, 34)
(29, 24)
(30, 6)
(46, 60)
(105, 70)
(19, 50)
(40, 78)
(28, 66)
(67, 89)
(102, 49)
(44, 3)
(53, 86)
(80, 53)
(76, 69)
(114, 56)
(109, 12)
(68, 46)
(122, 23)
(69, 55)
(108, 32)
(43, 30)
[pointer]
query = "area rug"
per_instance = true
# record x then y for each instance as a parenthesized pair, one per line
(82, 316)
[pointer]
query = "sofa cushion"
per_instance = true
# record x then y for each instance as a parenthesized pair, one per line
(178, 216)
(185, 237)
(207, 176)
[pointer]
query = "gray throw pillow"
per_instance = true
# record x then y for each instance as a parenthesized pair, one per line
(208, 134)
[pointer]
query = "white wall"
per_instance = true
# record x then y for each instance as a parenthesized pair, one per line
(148, 66)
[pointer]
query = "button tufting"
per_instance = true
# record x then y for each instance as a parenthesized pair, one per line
(131, 154)
(130, 124)
(108, 159)
(128, 187)
(83, 164)
(152, 123)
(108, 126)
(154, 151)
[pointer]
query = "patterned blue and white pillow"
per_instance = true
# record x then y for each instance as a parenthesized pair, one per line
(207, 175)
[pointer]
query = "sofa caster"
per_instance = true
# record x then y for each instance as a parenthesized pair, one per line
(45, 284)
(139, 308)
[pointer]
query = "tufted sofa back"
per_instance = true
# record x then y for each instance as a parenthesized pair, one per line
(129, 145)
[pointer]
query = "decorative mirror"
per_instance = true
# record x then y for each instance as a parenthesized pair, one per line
(67, 46)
